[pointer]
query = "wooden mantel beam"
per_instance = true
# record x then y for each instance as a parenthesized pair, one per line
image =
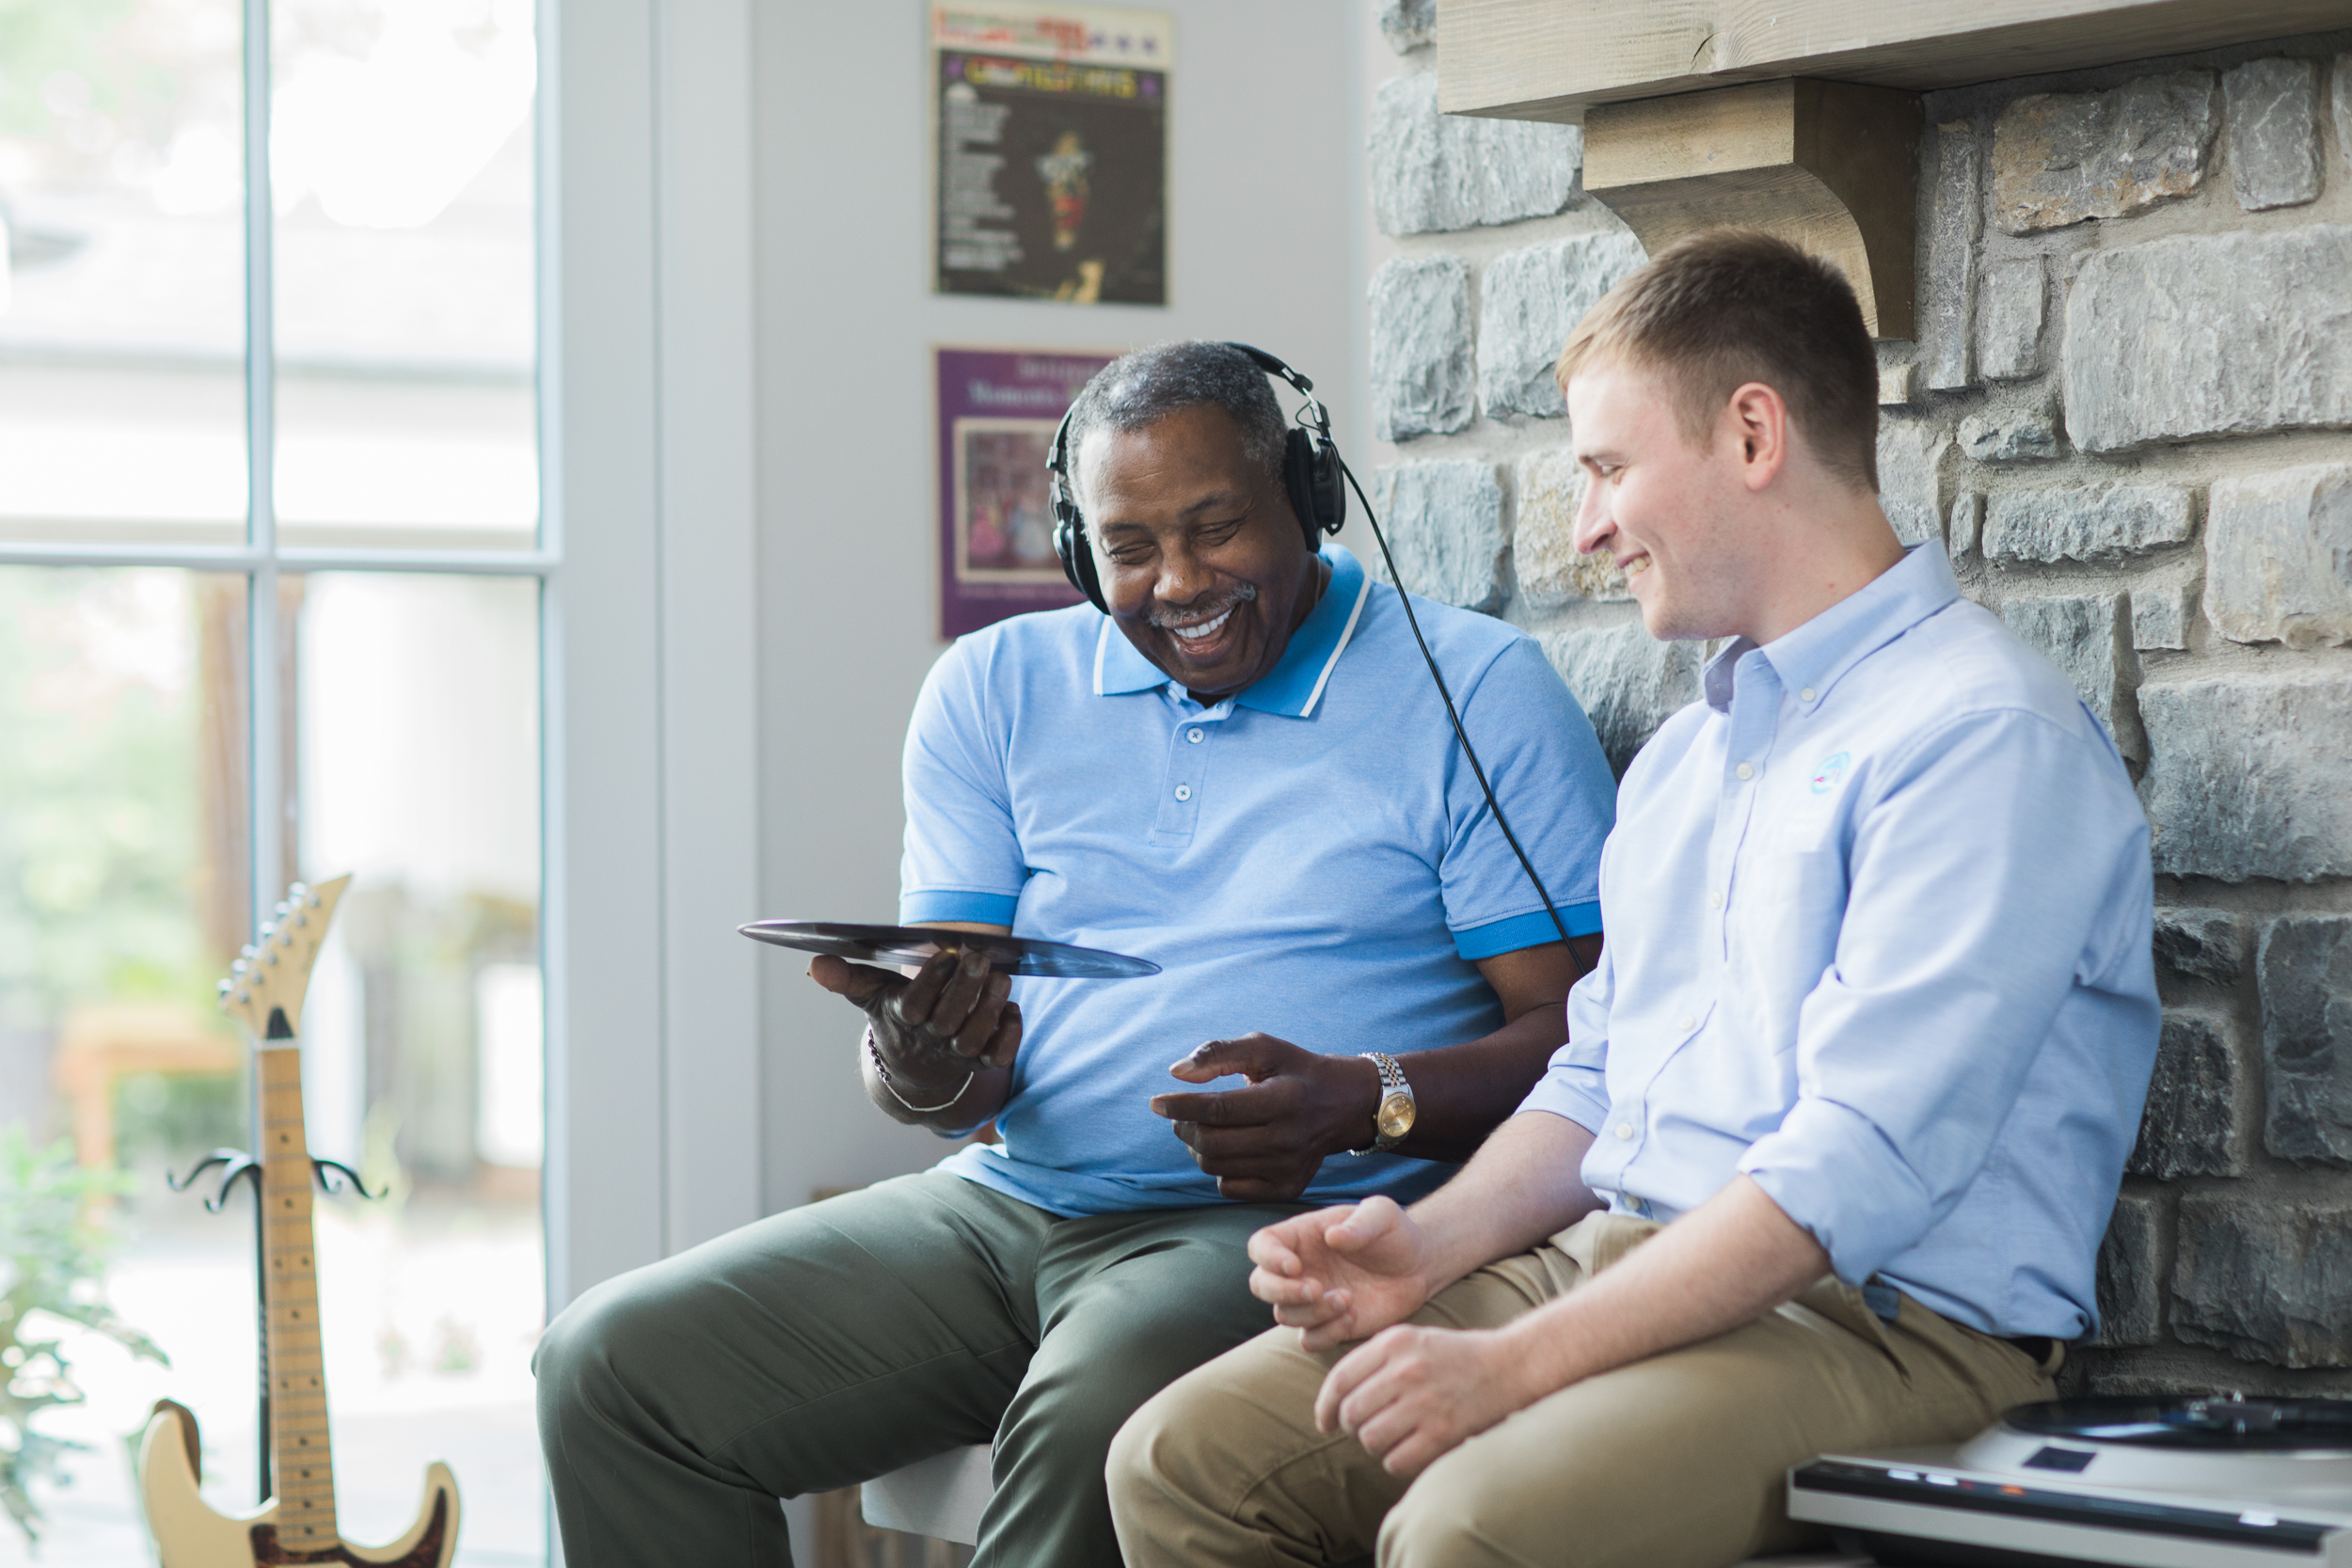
(1549, 60)
(1829, 165)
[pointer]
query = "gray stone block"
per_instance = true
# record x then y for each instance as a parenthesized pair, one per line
(1628, 682)
(2274, 132)
(1967, 522)
(2305, 968)
(2085, 636)
(2210, 335)
(2246, 775)
(2009, 298)
(2086, 522)
(2266, 1280)
(2191, 1123)
(1422, 377)
(1898, 384)
(1543, 537)
(2010, 434)
(1913, 456)
(1432, 172)
(2204, 944)
(1532, 299)
(1444, 522)
(2131, 1273)
(2341, 77)
(2058, 158)
(1409, 25)
(2278, 557)
(2160, 618)
(1948, 286)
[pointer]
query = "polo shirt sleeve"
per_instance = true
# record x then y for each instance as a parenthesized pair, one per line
(962, 858)
(1554, 782)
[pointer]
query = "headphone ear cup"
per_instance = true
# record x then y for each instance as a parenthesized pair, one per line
(1078, 555)
(1311, 474)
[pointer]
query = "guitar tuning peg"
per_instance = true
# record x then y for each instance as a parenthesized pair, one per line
(312, 901)
(270, 958)
(297, 890)
(247, 951)
(237, 968)
(243, 997)
(224, 988)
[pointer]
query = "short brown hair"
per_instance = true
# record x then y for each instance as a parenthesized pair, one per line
(1721, 309)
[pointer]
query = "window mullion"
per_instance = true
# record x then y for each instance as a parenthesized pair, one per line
(264, 682)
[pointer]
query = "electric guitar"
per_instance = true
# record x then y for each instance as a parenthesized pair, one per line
(265, 990)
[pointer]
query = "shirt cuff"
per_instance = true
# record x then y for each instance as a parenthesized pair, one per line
(1833, 1173)
(1526, 931)
(1573, 1093)
(974, 909)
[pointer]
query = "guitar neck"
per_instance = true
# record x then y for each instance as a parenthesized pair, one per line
(297, 1365)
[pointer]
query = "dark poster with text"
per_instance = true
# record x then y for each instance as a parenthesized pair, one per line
(997, 412)
(1052, 157)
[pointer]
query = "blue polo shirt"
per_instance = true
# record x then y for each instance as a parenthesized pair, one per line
(1311, 857)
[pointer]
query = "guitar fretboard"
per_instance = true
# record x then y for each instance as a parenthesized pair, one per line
(298, 1367)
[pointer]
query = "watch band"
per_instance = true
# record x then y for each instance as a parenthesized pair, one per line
(873, 1053)
(1394, 1087)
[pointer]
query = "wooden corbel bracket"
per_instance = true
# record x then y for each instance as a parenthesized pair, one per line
(1832, 166)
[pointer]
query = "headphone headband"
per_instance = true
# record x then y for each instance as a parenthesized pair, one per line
(1311, 478)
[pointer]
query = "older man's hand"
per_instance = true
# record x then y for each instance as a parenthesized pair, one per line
(935, 1030)
(1264, 1142)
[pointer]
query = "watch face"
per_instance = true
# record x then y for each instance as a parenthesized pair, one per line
(1396, 1115)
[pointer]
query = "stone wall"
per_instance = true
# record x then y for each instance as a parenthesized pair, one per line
(2129, 416)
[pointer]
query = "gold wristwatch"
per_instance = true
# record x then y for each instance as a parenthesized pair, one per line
(1393, 1123)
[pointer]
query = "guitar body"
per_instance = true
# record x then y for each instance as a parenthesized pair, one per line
(190, 1534)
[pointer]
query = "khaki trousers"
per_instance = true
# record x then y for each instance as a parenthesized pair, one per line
(1676, 1462)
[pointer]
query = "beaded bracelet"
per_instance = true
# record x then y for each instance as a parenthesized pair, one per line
(873, 1053)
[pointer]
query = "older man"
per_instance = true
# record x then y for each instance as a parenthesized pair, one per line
(1241, 772)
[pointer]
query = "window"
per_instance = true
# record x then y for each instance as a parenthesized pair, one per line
(271, 582)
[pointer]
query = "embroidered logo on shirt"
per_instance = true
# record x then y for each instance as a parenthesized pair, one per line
(1831, 770)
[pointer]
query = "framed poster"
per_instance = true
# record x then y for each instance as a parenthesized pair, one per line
(998, 411)
(1050, 164)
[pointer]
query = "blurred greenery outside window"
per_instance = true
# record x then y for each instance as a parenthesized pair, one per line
(392, 580)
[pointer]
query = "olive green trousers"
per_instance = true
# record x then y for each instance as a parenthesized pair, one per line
(834, 1343)
(1676, 1462)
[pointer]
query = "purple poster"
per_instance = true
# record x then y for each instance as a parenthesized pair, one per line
(997, 410)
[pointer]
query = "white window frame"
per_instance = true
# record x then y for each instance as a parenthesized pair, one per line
(648, 640)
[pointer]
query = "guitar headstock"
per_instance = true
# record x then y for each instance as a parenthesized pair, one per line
(266, 986)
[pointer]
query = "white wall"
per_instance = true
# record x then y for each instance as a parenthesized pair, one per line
(1265, 245)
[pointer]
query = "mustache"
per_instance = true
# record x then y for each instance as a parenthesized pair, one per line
(1238, 593)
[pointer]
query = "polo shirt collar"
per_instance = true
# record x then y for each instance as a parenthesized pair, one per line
(1296, 682)
(1811, 659)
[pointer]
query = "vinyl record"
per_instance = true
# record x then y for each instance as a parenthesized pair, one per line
(2213, 1424)
(912, 944)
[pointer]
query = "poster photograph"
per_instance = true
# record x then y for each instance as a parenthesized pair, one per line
(997, 412)
(1051, 165)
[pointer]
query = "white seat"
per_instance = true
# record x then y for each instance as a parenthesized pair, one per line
(941, 1498)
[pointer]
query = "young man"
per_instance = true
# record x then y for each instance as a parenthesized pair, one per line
(1237, 768)
(1827, 1159)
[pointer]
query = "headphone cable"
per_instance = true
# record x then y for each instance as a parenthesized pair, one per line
(1396, 580)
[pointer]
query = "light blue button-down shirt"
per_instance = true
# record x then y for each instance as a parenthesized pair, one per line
(1311, 857)
(1878, 913)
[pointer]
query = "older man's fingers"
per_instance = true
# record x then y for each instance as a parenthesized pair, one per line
(915, 1004)
(1005, 1043)
(979, 1028)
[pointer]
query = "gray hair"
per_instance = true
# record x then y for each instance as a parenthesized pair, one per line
(1147, 385)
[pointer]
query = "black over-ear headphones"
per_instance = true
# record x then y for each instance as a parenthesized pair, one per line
(1313, 477)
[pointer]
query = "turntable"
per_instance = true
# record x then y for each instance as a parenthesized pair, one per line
(2184, 1483)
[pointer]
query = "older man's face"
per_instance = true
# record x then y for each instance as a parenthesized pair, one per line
(1204, 566)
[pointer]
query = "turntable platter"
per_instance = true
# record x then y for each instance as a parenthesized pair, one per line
(2234, 1424)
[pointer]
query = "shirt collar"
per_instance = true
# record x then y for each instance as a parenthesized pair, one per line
(1810, 659)
(1296, 682)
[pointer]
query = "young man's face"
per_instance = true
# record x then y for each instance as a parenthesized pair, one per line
(1204, 565)
(1660, 505)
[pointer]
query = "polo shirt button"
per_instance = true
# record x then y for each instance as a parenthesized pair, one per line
(1715, 900)
(1625, 1130)
(1193, 736)
(1184, 792)
(1744, 771)
(1806, 695)
(1688, 1022)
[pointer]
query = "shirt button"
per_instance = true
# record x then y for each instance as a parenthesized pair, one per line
(1193, 736)
(1744, 771)
(1625, 1130)
(1715, 900)
(1184, 792)
(1688, 1022)
(1806, 695)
